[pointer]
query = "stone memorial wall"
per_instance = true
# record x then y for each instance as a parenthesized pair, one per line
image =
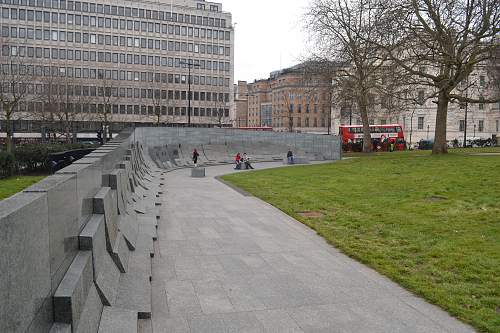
(76, 248)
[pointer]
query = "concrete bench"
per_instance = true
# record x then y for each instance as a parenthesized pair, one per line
(198, 172)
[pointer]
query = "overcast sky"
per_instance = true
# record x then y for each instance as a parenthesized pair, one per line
(269, 35)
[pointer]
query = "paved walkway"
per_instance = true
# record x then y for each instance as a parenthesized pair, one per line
(230, 263)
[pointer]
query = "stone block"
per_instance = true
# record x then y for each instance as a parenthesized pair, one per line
(25, 276)
(88, 183)
(121, 253)
(105, 202)
(117, 320)
(106, 273)
(63, 221)
(91, 313)
(128, 226)
(71, 295)
(198, 172)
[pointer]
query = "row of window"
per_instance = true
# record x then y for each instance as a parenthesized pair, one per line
(109, 57)
(109, 23)
(85, 7)
(123, 41)
(299, 108)
(480, 125)
(108, 74)
(298, 122)
(34, 107)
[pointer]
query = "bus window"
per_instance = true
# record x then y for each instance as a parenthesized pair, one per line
(398, 129)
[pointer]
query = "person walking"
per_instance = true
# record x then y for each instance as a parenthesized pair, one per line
(195, 157)
(246, 160)
(289, 156)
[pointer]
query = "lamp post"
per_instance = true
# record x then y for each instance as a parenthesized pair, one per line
(189, 64)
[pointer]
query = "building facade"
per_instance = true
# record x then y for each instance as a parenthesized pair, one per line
(128, 61)
(290, 101)
(241, 104)
(418, 119)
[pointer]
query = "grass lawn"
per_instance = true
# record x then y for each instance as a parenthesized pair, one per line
(11, 186)
(432, 224)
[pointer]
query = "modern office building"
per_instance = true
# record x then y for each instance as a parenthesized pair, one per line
(118, 61)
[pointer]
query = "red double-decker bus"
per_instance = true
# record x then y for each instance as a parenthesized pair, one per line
(382, 136)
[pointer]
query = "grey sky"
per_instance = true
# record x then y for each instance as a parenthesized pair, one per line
(266, 30)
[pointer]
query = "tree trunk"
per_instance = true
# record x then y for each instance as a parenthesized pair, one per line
(440, 144)
(9, 137)
(367, 137)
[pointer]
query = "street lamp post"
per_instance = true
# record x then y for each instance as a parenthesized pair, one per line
(189, 64)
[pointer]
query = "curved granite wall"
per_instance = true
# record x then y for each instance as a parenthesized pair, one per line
(315, 147)
(76, 248)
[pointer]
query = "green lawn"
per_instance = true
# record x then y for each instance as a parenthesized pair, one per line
(11, 186)
(430, 223)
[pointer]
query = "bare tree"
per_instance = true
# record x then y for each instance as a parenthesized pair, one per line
(345, 32)
(441, 43)
(107, 95)
(159, 96)
(15, 78)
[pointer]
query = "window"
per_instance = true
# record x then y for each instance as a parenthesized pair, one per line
(482, 81)
(420, 123)
(421, 97)
(497, 125)
(461, 125)
(481, 105)
(480, 126)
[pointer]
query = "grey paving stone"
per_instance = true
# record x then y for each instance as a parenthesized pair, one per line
(117, 320)
(60, 328)
(134, 293)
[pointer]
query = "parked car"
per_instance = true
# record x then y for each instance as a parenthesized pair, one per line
(425, 144)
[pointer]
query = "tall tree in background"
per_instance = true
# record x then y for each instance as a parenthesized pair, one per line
(345, 32)
(15, 78)
(441, 42)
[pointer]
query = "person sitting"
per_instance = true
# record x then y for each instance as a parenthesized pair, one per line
(289, 156)
(246, 160)
(237, 160)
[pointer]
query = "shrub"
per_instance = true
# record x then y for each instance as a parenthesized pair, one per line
(7, 164)
(32, 158)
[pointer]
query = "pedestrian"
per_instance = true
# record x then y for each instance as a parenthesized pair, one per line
(246, 160)
(392, 146)
(289, 156)
(195, 157)
(237, 160)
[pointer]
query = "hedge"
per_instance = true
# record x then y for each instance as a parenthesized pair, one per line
(32, 158)
(7, 164)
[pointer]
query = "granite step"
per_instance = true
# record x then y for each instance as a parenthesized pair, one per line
(118, 320)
